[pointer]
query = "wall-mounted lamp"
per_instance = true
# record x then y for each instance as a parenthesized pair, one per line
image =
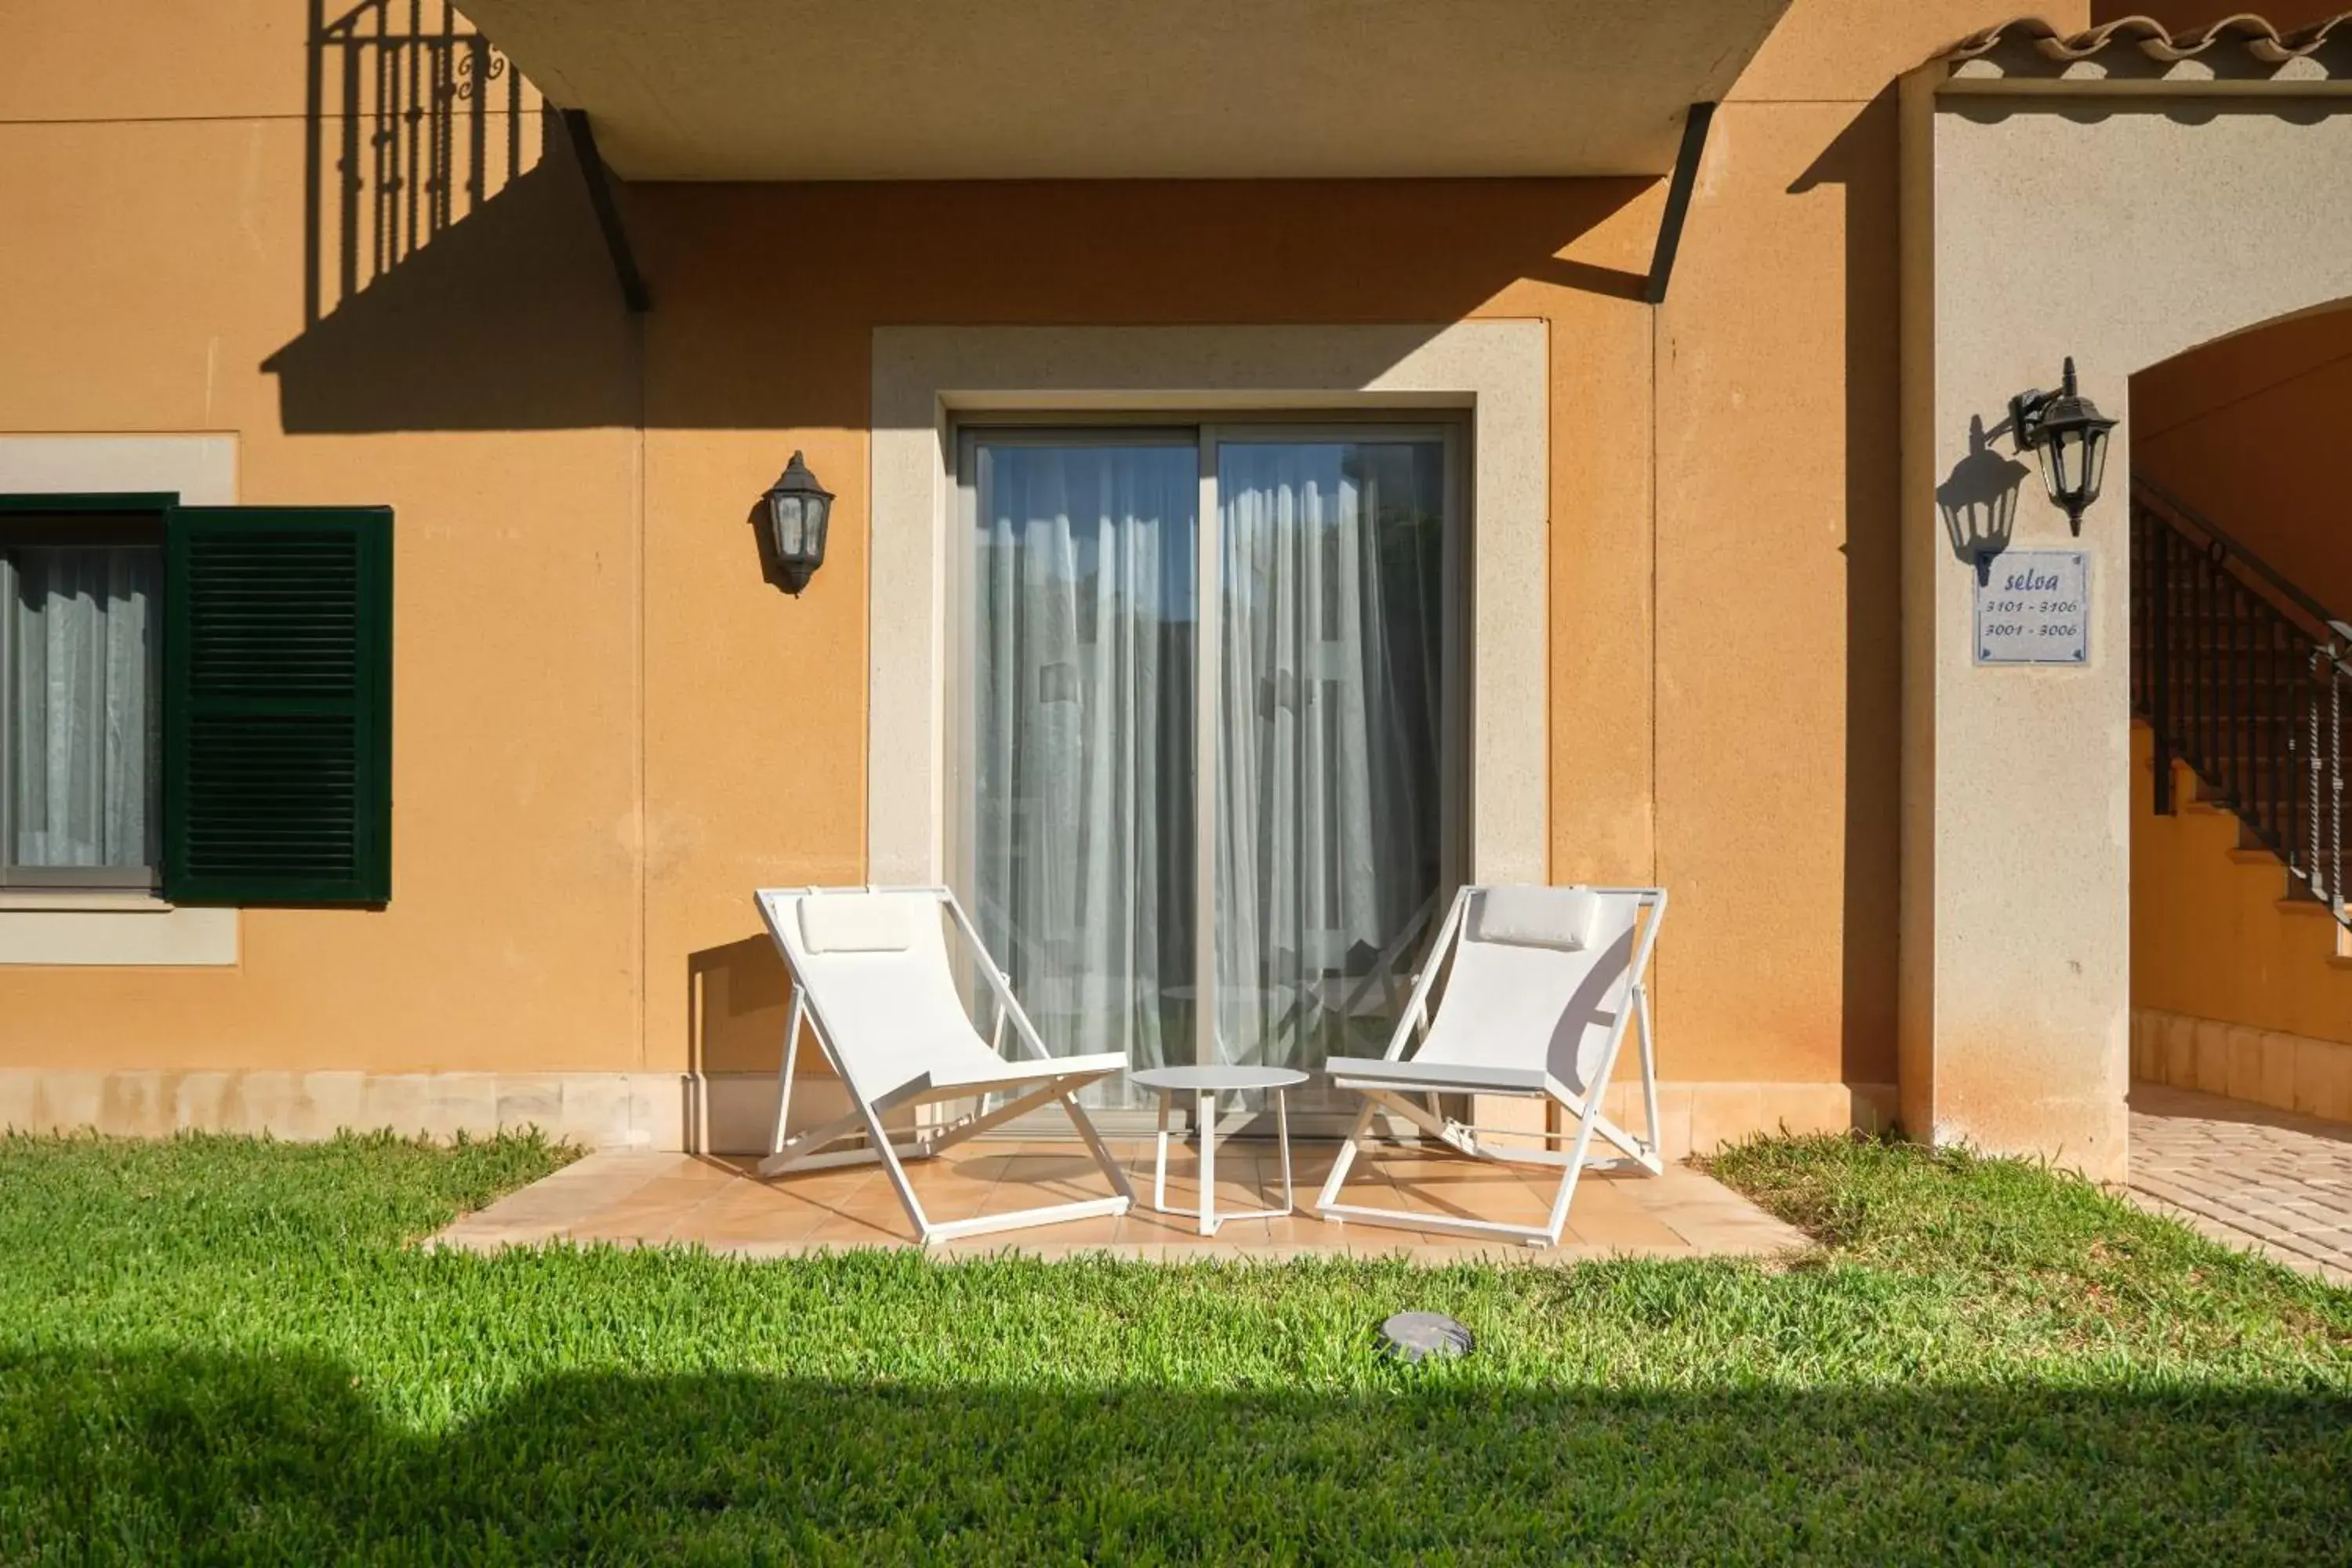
(2070, 436)
(798, 508)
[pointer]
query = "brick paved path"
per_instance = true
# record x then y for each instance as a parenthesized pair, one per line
(2247, 1175)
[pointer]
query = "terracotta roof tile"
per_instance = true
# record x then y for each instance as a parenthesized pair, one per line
(2261, 39)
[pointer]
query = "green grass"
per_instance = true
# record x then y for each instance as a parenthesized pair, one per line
(222, 1350)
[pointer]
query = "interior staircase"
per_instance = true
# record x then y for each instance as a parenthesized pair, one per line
(2242, 936)
(2242, 677)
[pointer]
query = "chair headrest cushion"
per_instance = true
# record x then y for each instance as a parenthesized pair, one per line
(856, 922)
(1560, 918)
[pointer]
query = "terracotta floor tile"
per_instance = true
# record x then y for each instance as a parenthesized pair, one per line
(1054, 1178)
(1097, 1230)
(1304, 1228)
(1011, 1196)
(836, 1191)
(942, 1191)
(639, 1197)
(658, 1199)
(1604, 1216)
(864, 1230)
(748, 1212)
(1498, 1203)
(1145, 1223)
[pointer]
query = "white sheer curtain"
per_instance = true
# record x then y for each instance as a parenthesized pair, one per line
(80, 708)
(1083, 609)
(1328, 740)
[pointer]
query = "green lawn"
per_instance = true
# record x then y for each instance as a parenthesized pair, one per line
(217, 1348)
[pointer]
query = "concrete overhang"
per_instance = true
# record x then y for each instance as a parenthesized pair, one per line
(958, 90)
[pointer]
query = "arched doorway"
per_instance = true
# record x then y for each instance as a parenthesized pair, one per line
(2242, 684)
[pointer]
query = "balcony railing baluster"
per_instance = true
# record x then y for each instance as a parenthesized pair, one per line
(2241, 675)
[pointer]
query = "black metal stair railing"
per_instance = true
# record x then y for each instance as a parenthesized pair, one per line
(2241, 675)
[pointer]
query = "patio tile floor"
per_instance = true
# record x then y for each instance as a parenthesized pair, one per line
(637, 1198)
(2256, 1178)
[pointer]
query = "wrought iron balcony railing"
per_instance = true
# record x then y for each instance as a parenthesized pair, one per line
(2241, 675)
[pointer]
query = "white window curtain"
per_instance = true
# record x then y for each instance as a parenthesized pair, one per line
(1328, 740)
(81, 713)
(1082, 796)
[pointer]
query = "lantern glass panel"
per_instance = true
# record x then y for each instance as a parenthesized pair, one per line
(2044, 455)
(2066, 459)
(789, 543)
(2096, 464)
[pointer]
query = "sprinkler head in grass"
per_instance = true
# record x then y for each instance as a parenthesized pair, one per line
(1417, 1336)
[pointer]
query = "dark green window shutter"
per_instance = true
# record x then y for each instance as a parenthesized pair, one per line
(278, 705)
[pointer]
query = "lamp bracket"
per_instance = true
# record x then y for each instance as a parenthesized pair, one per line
(2025, 417)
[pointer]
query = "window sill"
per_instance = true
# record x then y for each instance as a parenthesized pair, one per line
(88, 900)
(42, 927)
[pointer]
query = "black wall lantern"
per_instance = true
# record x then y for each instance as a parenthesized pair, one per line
(798, 508)
(2070, 435)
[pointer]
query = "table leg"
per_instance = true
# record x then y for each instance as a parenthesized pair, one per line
(1282, 1133)
(1160, 1166)
(1208, 1161)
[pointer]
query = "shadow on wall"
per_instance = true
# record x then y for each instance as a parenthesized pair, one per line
(1863, 160)
(1978, 502)
(287, 1458)
(1992, 109)
(456, 278)
(414, 121)
(738, 997)
(2249, 430)
(453, 274)
(769, 293)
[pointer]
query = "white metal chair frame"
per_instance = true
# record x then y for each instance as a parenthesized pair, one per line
(1463, 1138)
(865, 1116)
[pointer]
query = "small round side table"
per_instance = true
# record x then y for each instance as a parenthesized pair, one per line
(1208, 1082)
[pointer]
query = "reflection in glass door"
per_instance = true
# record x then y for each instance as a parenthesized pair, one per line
(1081, 590)
(1329, 816)
(1206, 808)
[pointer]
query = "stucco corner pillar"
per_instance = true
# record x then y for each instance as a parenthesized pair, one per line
(2016, 890)
(2053, 206)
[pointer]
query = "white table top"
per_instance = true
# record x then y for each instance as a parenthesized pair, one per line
(1217, 1075)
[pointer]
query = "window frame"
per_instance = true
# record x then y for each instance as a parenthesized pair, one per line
(1206, 431)
(126, 521)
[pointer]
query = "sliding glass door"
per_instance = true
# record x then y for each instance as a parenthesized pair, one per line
(1330, 752)
(1207, 802)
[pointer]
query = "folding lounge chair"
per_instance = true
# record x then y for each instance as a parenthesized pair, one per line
(871, 975)
(1542, 983)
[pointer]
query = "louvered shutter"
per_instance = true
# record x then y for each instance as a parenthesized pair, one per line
(278, 705)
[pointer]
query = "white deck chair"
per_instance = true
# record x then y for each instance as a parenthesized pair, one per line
(871, 974)
(1542, 984)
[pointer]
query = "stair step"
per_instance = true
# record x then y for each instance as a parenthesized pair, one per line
(2293, 906)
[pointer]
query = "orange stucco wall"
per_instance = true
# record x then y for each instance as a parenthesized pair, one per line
(2250, 432)
(610, 728)
(2211, 937)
